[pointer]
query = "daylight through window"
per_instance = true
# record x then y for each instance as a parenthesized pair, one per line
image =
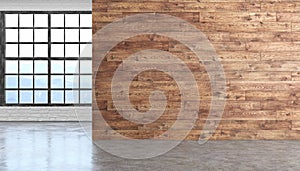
(48, 58)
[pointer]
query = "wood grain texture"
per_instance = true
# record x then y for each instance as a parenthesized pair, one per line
(258, 43)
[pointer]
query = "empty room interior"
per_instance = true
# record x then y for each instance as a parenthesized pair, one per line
(123, 85)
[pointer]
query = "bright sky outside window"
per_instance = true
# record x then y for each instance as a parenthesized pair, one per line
(48, 58)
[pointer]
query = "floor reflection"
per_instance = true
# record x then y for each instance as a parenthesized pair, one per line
(65, 146)
(45, 145)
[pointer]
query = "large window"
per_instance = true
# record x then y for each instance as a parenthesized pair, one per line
(47, 58)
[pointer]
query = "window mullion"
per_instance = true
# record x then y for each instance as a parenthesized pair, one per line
(49, 59)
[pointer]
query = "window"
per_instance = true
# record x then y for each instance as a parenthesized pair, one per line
(47, 58)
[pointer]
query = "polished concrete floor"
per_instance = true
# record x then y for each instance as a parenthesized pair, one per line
(64, 146)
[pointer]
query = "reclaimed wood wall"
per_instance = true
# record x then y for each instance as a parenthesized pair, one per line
(258, 42)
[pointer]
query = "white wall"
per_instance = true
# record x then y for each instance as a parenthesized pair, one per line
(45, 113)
(45, 5)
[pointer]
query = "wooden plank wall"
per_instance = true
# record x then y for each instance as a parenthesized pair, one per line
(258, 42)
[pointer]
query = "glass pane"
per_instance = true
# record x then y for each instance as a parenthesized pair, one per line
(86, 81)
(72, 81)
(11, 97)
(41, 35)
(85, 96)
(26, 81)
(26, 35)
(26, 97)
(26, 67)
(86, 67)
(57, 20)
(57, 81)
(11, 20)
(26, 50)
(72, 67)
(41, 20)
(11, 67)
(11, 81)
(72, 35)
(86, 50)
(26, 20)
(57, 96)
(11, 35)
(86, 35)
(57, 67)
(72, 96)
(11, 50)
(40, 97)
(41, 67)
(40, 50)
(72, 50)
(72, 20)
(57, 50)
(41, 81)
(57, 35)
(85, 20)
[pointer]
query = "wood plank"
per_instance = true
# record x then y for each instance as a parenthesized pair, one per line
(257, 43)
(231, 17)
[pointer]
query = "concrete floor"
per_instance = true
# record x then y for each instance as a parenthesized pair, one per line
(64, 146)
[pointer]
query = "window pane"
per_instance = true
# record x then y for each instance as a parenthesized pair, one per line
(86, 81)
(41, 50)
(85, 20)
(40, 97)
(57, 81)
(41, 20)
(86, 35)
(11, 35)
(41, 81)
(72, 50)
(86, 67)
(72, 81)
(72, 96)
(26, 50)
(26, 35)
(72, 20)
(57, 96)
(11, 67)
(11, 97)
(26, 20)
(57, 35)
(41, 67)
(41, 35)
(26, 67)
(26, 81)
(72, 35)
(57, 20)
(86, 50)
(72, 67)
(26, 97)
(11, 51)
(57, 50)
(85, 96)
(11, 20)
(11, 81)
(57, 67)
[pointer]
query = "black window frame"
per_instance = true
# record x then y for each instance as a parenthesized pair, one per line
(49, 58)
